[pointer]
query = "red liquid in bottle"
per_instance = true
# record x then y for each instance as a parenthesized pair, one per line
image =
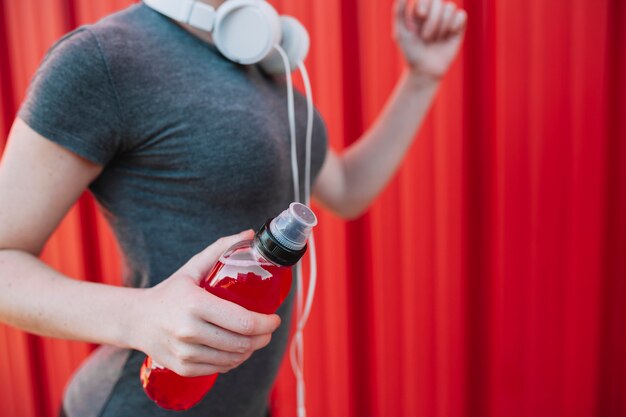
(242, 276)
(172, 391)
(262, 291)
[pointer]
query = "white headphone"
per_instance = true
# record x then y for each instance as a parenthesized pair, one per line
(244, 31)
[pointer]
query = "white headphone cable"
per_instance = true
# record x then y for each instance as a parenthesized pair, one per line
(297, 347)
(303, 310)
(307, 192)
(292, 124)
(296, 353)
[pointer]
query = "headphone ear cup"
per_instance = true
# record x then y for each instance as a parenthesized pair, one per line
(246, 30)
(295, 42)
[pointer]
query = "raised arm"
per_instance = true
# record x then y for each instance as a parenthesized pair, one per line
(429, 34)
(182, 326)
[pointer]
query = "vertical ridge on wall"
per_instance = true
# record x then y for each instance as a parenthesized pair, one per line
(358, 249)
(69, 10)
(611, 389)
(380, 226)
(508, 338)
(479, 250)
(587, 118)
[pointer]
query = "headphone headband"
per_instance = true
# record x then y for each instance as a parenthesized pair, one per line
(244, 31)
(192, 12)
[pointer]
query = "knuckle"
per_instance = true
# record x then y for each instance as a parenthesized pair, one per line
(248, 324)
(184, 332)
(180, 352)
(244, 344)
(184, 356)
(224, 360)
(194, 305)
(234, 361)
(219, 359)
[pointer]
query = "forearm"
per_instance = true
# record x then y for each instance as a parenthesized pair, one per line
(429, 34)
(369, 163)
(40, 300)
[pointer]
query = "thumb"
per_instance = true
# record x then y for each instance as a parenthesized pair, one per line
(200, 264)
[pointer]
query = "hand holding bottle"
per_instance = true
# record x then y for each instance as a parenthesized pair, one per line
(192, 332)
(254, 273)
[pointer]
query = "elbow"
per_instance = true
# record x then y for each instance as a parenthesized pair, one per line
(23, 243)
(350, 215)
(350, 210)
(9, 250)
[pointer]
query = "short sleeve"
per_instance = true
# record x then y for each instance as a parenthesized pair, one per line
(71, 99)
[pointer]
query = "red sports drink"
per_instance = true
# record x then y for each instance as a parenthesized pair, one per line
(255, 274)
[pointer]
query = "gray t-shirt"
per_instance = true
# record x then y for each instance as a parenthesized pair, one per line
(195, 147)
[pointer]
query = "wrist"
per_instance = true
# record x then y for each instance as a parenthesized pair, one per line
(129, 328)
(418, 80)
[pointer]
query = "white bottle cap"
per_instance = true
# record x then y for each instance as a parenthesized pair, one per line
(292, 227)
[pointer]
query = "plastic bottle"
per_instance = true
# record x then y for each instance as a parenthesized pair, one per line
(252, 273)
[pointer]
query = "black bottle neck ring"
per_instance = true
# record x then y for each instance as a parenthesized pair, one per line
(270, 248)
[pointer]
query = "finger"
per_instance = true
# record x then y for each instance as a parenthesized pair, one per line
(222, 339)
(433, 19)
(200, 265)
(415, 19)
(422, 7)
(196, 369)
(404, 25)
(447, 18)
(200, 354)
(460, 20)
(235, 318)
(399, 8)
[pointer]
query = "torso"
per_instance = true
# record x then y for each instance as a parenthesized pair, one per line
(206, 155)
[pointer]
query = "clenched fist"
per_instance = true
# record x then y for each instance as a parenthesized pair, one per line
(429, 33)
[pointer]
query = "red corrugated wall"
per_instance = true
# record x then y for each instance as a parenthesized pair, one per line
(489, 279)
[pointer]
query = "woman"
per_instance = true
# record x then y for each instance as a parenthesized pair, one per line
(174, 142)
